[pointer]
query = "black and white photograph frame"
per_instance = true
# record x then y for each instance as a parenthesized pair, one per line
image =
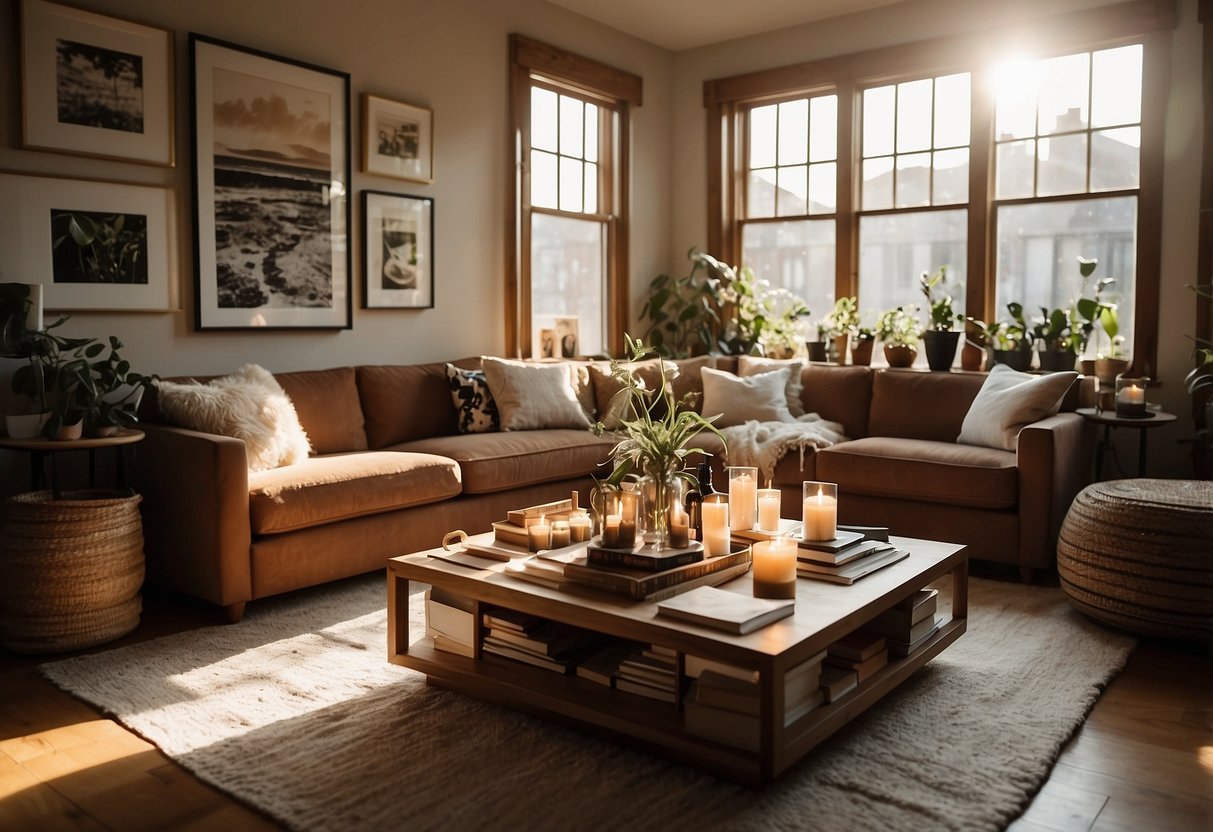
(93, 246)
(271, 139)
(397, 139)
(96, 85)
(397, 251)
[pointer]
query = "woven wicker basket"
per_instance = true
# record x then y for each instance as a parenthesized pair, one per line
(1138, 554)
(72, 570)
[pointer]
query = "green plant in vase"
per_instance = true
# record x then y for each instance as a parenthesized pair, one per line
(1053, 334)
(840, 324)
(899, 329)
(657, 431)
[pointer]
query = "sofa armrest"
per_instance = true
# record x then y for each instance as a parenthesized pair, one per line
(197, 535)
(1054, 462)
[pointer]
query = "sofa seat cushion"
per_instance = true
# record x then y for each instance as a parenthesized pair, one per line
(326, 489)
(493, 462)
(921, 469)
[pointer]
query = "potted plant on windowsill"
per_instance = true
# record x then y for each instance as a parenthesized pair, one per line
(861, 346)
(939, 339)
(1054, 337)
(841, 322)
(898, 329)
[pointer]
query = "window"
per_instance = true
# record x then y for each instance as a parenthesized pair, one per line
(945, 153)
(566, 278)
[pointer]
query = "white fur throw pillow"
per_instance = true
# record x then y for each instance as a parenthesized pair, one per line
(533, 396)
(1007, 401)
(761, 398)
(249, 405)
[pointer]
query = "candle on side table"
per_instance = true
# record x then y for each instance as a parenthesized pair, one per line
(775, 568)
(820, 518)
(715, 527)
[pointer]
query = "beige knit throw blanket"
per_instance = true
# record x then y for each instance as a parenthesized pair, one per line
(762, 444)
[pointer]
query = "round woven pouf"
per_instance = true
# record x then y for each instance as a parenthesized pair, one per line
(1138, 554)
(72, 570)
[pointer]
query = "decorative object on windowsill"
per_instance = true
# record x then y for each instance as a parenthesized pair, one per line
(842, 321)
(720, 308)
(656, 430)
(939, 339)
(1007, 341)
(1085, 312)
(1054, 336)
(898, 329)
(861, 346)
(1131, 397)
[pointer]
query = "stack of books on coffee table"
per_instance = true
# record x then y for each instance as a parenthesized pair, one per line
(907, 625)
(845, 559)
(536, 641)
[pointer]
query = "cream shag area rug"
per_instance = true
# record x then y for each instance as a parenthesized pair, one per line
(297, 712)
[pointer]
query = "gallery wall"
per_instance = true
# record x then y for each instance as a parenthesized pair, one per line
(925, 19)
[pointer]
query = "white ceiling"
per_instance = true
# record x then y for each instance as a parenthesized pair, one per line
(685, 24)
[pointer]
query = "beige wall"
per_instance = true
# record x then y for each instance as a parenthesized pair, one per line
(924, 19)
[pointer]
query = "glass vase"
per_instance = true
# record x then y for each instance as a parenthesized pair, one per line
(660, 495)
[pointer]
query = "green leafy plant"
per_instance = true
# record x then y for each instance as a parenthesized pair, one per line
(843, 318)
(899, 326)
(1053, 329)
(1086, 312)
(943, 316)
(106, 248)
(1200, 377)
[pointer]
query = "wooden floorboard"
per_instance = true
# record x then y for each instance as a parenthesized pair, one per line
(1142, 761)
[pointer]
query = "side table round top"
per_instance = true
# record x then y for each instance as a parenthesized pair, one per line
(125, 436)
(1108, 417)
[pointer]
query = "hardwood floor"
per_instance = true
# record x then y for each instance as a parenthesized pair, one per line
(1142, 761)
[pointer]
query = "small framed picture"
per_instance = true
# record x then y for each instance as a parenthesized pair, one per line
(397, 139)
(272, 190)
(95, 85)
(94, 246)
(397, 251)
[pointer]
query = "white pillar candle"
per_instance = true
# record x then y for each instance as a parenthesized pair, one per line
(1132, 395)
(768, 509)
(820, 518)
(775, 568)
(579, 527)
(610, 531)
(540, 535)
(715, 527)
(561, 534)
(743, 497)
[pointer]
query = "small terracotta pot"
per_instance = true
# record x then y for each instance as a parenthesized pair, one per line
(861, 352)
(900, 355)
(1107, 369)
(67, 433)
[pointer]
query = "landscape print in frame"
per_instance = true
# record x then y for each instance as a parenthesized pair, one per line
(271, 184)
(95, 85)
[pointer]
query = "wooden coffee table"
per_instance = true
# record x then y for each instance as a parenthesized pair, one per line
(824, 613)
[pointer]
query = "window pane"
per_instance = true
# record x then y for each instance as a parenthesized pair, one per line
(952, 110)
(543, 179)
(878, 121)
(914, 116)
(1015, 168)
(543, 119)
(877, 183)
(1063, 94)
(568, 280)
(591, 133)
(1038, 244)
(1116, 86)
(797, 255)
(913, 180)
(794, 132)
(894, 249)
(1115, 158)
(823, 128)
(572, 126)
(823, 188)
(761, 193)
(1015, 87)
(1062, 166)
(951, 180)
(591, 188)
(570, 184)
(790, 199)
(762, 136)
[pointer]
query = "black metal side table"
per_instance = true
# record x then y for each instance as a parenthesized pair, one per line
(1109, 420)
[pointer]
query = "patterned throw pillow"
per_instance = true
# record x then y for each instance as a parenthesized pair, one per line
(473, 401)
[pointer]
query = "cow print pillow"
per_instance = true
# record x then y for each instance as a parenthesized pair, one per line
(473, 401)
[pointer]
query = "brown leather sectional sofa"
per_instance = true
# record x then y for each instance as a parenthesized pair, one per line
(390, 475)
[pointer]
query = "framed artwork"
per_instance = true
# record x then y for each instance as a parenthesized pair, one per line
(95, 85)
(93, 246)
(271, 182)
(397, 251)
(397, 139)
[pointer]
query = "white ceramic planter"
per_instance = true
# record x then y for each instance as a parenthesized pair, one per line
(26, 425)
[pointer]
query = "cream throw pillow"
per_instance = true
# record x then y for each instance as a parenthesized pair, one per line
(533, 396)
(749, 365)
(1007, 401)
(249, 405)
(740, 400)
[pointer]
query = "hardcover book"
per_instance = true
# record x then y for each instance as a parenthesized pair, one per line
(724, 610)
(639, 584)
(643, 557)
(849, 573)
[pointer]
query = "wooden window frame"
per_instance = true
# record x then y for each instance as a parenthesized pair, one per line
(535, 63)
(1139, 21)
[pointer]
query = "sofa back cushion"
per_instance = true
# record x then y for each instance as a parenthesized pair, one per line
(406, 402)
(914, 405)
(329, 408)
(839, 394)
(687, 379)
